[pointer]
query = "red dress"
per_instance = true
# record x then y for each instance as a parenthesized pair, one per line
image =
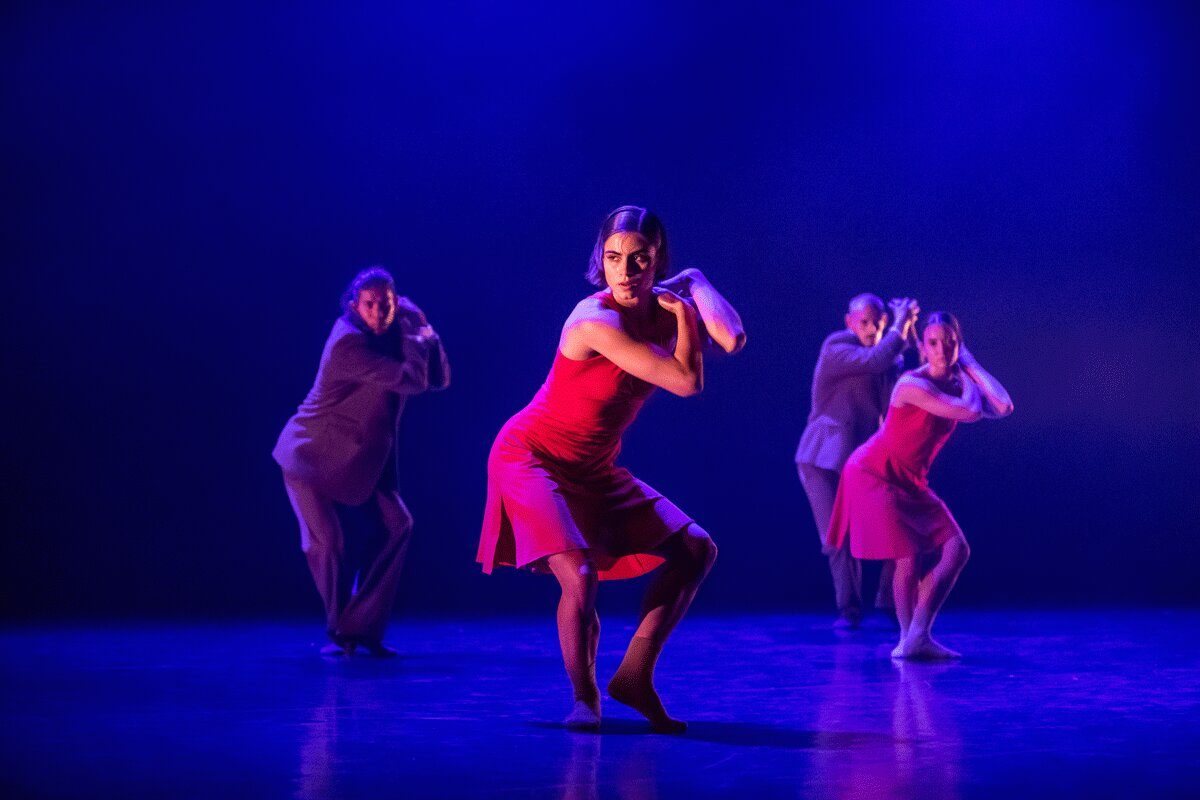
(884, 503)
(553, 484)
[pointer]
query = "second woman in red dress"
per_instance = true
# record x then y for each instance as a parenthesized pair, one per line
(884, 505)
(557, 502)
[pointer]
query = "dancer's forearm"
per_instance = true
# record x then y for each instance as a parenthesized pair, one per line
(688, 352)
(995, 399)
(719, 317)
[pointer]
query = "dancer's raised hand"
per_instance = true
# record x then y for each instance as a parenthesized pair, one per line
(681, 282)
(672, 302)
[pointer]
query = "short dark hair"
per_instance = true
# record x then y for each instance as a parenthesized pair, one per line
(630, 219)
(948, 320)
(369, 278)
(865, 299)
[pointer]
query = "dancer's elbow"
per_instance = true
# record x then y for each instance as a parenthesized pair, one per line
(1001, 410)
(689, 386)
(735, 343)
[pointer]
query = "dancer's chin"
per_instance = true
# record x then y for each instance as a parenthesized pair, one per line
(627, 298)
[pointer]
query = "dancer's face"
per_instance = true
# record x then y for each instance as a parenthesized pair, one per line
(629, 261)
(867, 323)
(376, 307)
(939, 346)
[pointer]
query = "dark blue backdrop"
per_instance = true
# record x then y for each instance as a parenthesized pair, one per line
(188, 189)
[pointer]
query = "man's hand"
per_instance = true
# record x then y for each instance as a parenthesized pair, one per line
(407, 311)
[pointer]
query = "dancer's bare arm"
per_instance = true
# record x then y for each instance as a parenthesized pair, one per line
(996, 402)
(595, 328)
(718, 318)
(915, 390)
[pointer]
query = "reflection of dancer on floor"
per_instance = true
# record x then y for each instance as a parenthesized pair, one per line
(556, 500)
(884, 505)
(853, 379)
(336, 451)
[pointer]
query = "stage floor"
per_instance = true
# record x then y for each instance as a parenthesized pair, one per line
(1060, 704)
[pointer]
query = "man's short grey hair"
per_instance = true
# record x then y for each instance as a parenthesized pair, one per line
(861, 301)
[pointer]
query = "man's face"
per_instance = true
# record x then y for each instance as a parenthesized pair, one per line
(376, 307)
(867, 323)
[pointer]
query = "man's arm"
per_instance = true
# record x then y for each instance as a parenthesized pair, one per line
(438, 365)
(419, 334)
(848, 358)
(353, 359)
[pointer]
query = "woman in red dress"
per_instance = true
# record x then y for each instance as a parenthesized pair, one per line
(884, 504)
(556, 500)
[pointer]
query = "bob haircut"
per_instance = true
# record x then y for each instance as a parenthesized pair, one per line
(948, 320)
(630, 219)
(369, 278)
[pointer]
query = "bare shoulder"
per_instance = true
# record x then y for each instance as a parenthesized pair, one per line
(591, 312)
(589, 316)
(915, 380)
(909, 384)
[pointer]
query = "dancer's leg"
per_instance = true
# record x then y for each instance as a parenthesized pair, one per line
(367, 613)
(689, 557)
(820, 485)
(322, 542)
(885, 597)
(579, 633)
(905, 578)
(932, 591)
(847, 586)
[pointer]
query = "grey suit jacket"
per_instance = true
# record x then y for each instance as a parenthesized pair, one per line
(340, 437)
(851, 388)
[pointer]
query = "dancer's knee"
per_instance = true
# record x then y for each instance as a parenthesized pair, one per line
(964, 553)
(957, 552)
(400, 526)
(701, 549)
(579, 587)
(396, 517)
(317, 548)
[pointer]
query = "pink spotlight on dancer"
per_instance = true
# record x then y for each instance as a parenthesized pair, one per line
(557, 502)
(884, 505)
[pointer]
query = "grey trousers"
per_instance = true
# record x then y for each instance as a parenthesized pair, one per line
(358, 591)
(821, 487)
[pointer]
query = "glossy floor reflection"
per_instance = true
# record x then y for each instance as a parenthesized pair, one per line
(1044, 704)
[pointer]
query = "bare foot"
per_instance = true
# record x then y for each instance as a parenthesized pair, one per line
(638, 694)
(848, 621)
(584, 717)
(377, 649)
(923, 648)
(334, 649)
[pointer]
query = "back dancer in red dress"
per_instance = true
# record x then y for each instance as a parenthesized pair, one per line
(556, 500)
(884, 505)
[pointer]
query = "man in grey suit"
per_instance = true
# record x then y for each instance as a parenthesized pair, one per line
(337, 451)
(852, 385)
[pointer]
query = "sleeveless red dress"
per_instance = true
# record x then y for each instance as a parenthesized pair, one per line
(884, 505)
(553, 484)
